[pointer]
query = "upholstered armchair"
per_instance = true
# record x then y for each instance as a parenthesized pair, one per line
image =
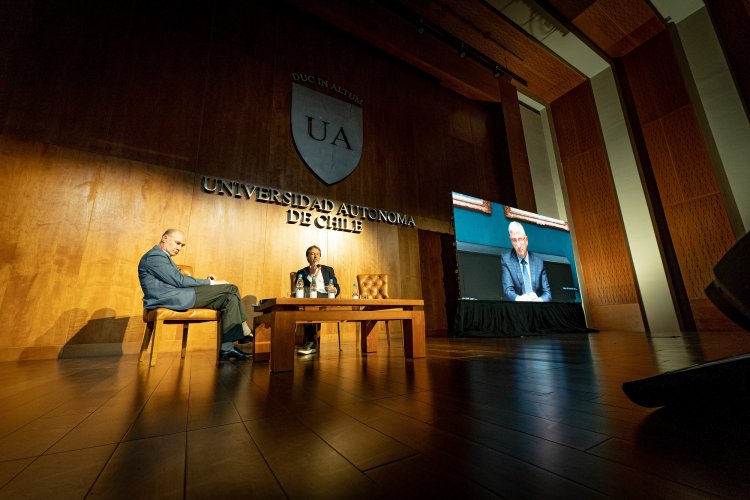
(375, 286)
(155, 319)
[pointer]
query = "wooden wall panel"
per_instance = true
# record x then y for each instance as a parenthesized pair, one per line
(114, 78)
(126, 197)
(115, 113)
(685, 184)
(44, 227)
(595, 215)
(433, 291)
(615, 27)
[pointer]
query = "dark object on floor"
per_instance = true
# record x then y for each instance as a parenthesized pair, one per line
(722, 382)
(730, 289)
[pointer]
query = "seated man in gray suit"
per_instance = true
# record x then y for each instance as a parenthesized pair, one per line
(164, 285)
(523, 274)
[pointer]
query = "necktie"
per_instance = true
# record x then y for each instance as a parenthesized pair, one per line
(526, 279)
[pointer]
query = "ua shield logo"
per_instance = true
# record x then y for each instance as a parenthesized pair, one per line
(327, 133)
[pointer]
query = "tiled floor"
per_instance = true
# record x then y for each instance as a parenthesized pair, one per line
(537, 417)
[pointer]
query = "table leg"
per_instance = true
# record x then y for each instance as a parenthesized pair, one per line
(282, 342)
(414, 335)
(262, 339)
(368, 337)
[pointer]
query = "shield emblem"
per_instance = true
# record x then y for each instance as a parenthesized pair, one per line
(327, 133)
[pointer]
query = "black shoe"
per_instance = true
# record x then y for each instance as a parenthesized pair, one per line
(246, 339)
(233, 353)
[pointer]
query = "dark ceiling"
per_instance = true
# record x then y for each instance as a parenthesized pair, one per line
(430, 35)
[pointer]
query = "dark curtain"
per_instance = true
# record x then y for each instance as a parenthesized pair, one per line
(488, 318)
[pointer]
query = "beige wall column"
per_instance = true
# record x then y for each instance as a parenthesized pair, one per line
(641, 236)
(542, 163)
(720, 113)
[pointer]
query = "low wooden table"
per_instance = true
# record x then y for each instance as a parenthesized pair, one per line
(274, 328)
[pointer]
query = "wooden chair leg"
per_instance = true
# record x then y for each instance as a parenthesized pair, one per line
(339, 325)
(184, 339)
(218, 340)
(158, 328)
(146, 340)
(387, 333)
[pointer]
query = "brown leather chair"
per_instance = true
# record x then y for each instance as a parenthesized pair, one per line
(156, 318)
(292, 288)
(375, 286)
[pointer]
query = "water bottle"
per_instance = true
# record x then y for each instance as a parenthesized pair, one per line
(355, 291)
(299, 291)
(331, 295)
(313, 287)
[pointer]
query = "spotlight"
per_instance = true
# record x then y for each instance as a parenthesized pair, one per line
(462, 52)
(496, 73)
(420, 30)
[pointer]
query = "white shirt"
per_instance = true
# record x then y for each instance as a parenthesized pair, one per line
(320, 286)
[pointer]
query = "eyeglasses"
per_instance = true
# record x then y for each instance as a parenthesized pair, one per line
(518, 240)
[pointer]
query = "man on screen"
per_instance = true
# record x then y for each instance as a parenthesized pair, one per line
(524, 276)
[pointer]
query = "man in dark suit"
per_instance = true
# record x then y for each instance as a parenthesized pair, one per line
(325, 282)
(164, 285)
(523, 274)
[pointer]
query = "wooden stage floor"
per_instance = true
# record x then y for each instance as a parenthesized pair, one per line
(536, 417)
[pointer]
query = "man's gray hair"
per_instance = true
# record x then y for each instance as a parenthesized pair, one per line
(516, 227)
